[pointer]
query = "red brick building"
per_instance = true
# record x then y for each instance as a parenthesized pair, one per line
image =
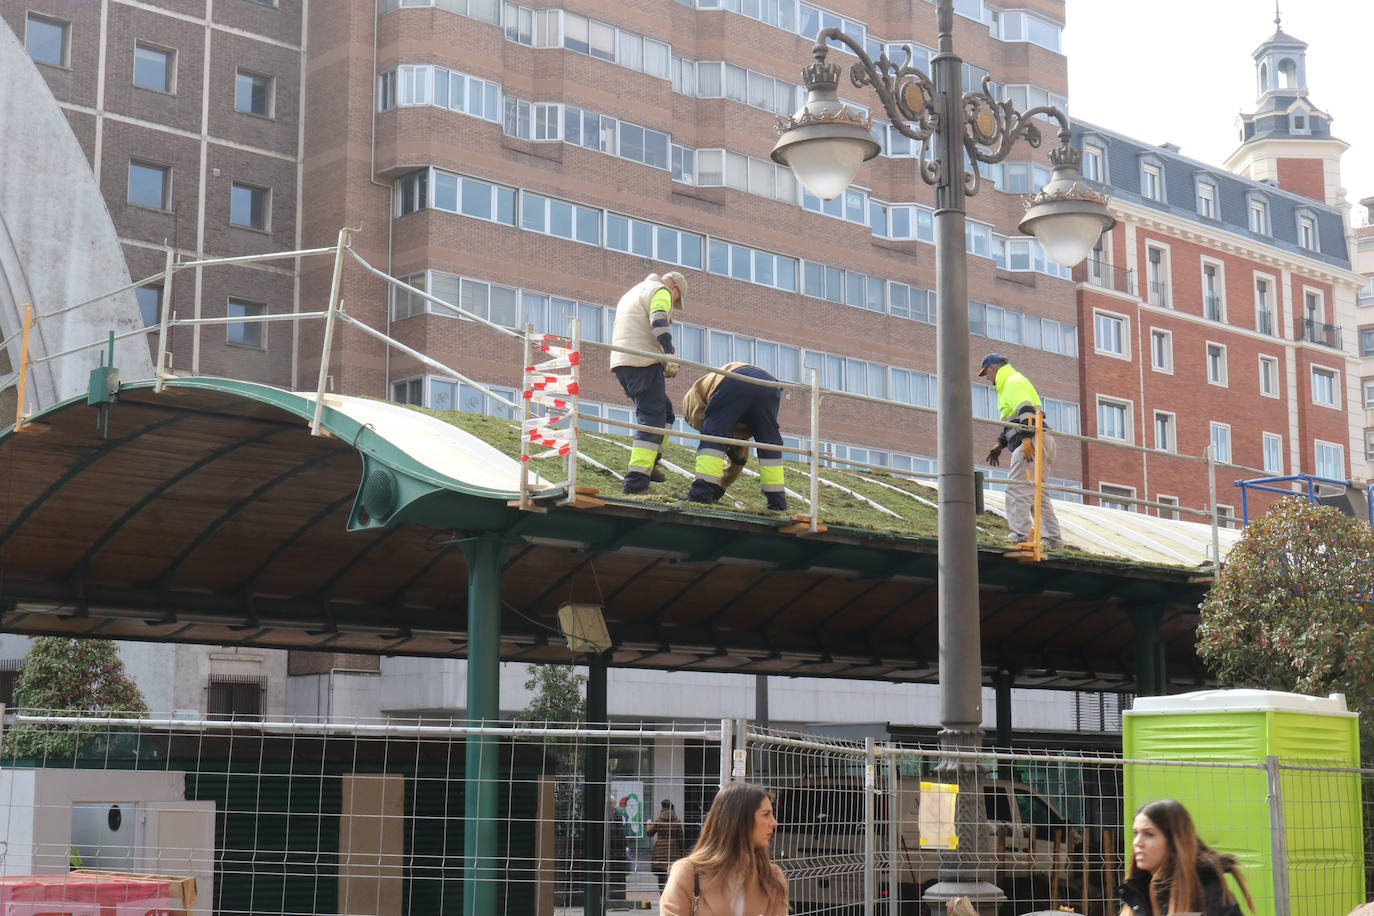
(1221, 309)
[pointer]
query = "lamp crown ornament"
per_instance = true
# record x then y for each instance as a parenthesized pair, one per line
(820, 75)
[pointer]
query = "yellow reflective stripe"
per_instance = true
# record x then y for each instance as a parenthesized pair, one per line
(661, 301)
(642, 459)
(710, 466)
(770, 475)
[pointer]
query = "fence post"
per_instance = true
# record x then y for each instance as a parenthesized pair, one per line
(164, 322)
(575, 342)
(1212, 496)
(870, 778)
(727, 750)
(1278, 835)
(815, 448)
(894, 835)
(526, 412)
(329, 320)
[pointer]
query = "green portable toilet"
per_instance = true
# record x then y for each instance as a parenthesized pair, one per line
(1281, 794)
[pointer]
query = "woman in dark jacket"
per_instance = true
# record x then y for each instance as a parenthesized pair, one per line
(1173, 871)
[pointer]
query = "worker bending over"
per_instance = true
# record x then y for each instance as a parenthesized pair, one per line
(719, 405)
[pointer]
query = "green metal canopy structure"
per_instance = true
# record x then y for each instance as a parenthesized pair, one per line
(207, 513)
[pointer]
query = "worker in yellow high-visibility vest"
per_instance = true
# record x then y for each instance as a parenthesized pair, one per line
(719, 405)
(1018, 401)
(643, 321)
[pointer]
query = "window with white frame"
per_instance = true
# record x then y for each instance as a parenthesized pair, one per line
(1169, 507)
(1366, 296)
(1271, 445)
(1161, 350)
(1314, 313)
(1165, 438)
(155, 68)
(1213, 292)
(409, 391)
(1151, 180)
(1157, 276)
(246, 333)
(1325, 387)
(1099, 262)
(1264, 305)
(1330, 458)
(1206, 190)
(1368, 387)
(1367, 341)
(1226, 516)
(1094, 162)
(1257, 206)
(1269, 376)
(1110, 334)
(1113, 419)
(1369, 444)
(1216, 363)
(1307, 230)
(1114, 496)
(47, 40)
(1221, 442)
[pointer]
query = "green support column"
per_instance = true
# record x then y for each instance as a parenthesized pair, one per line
(599, 860)
(1148, 651)
(482, 787)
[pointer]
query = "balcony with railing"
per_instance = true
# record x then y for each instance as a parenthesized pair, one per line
(1100, 274)
(1264, 322)
(1157, 292)
(1211, 306)
(1313, 331)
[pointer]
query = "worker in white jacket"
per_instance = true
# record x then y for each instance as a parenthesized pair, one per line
(643, 321)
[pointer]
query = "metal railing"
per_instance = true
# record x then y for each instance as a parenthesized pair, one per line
(1106, 276)
(1317, 332)
(300, 817)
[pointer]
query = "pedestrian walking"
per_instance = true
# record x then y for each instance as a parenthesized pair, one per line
(669, 840)
(729, 871)
(1173, 871)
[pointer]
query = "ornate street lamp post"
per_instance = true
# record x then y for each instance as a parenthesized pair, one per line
(824, 144)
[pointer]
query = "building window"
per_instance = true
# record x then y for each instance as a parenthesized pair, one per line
(1366, 296)
(1325, 391)
(47, 40)
(1169, 506)
(1307, 231)
(1109, 490)
(1206, 199)
(155, 68)
(230, 696)
(1369, 394)
(1367, 341)
(1258, 208)
(149, 304)
(1157, 276)
(1165, 440)
(1216, 363)
(1161, 350)
(1330, 460)
(1151, 181)
(1213, 305)
(250, 207)
(253, 94)
(1094, 161)
(1109, 334)
(409, 391)
(1226, 516)
(1369, 444)
(1113, 420)
(1264, 309)
(246, 333)
(150, 185)
(1221, 442)
(1272, 445)
(1269, 376)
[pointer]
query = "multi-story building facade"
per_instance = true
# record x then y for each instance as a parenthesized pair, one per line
(1364, 264)
(1220, 311)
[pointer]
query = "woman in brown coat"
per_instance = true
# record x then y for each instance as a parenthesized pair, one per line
(669, 840)
(729, 869)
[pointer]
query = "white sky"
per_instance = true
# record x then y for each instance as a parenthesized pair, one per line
(1179, 71)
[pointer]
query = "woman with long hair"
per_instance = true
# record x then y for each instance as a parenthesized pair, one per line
(729, 871)
(1173, 871)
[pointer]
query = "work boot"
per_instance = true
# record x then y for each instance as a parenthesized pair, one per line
(656, 473)
(703, 492)
(635, 482)
(776, 501)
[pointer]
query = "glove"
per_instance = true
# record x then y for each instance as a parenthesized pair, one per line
(671, 370)
(994, 455)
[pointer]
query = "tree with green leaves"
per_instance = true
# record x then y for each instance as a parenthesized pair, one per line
(1292, 609)
(69, 677)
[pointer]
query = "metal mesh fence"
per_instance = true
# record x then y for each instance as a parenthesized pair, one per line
(377, 817)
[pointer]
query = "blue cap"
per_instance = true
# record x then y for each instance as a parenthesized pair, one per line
(992, 359)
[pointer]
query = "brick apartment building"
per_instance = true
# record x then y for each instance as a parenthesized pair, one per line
(1221, 309)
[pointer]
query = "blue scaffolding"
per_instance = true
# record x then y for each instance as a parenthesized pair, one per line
(1310, 483)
